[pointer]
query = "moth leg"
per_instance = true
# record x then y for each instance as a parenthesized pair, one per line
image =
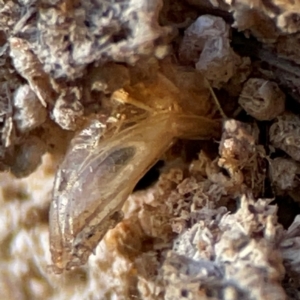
(125, 122)
(216, 100)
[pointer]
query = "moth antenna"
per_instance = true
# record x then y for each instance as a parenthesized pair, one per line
(216, 100)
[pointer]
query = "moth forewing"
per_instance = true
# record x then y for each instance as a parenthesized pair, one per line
(91, 190)
(66, 179)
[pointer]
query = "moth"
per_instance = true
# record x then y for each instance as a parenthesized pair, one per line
(98, 174)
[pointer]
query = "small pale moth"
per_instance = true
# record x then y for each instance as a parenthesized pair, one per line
(98, 174)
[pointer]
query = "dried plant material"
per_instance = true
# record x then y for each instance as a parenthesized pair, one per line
(190, 278)
(206, 43)
(283, 173)
(29, 113)
(10, 81)
(108, 78)
(253, 241)
(235, 85)
(28, 66)
(27, 156)
(6, 114)
(255, 21)
(237, 148)
(262, 99)
(289, 21)
(287, 48)
(265, 21)
(217, 62)
(223, 250)
(68, 110)
(209, 4)
(290, 247)
(196, 35)
(285, 134)
(73, 35)
(168, 204)
(10, 14)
